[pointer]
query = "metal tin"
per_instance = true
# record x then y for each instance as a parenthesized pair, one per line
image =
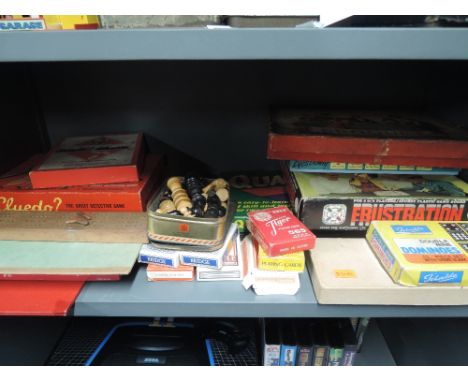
(172, 231)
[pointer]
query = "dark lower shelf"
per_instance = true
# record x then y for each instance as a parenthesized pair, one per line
(81, 340)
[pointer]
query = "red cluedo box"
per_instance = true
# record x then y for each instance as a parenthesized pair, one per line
(279, 232)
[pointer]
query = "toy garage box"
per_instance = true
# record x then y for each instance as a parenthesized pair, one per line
(349, 202)
(42, 22)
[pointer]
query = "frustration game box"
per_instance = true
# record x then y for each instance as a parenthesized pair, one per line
(349, 202)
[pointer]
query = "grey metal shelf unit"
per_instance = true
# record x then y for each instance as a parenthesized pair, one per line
(136, 297)
(236, 44)
(184, 88)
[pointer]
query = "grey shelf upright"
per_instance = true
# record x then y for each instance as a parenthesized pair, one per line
(374, 351)
(236, 44)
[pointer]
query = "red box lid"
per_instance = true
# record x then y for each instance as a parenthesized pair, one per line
(38, 298)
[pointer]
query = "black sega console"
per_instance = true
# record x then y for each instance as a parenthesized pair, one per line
(167, 343)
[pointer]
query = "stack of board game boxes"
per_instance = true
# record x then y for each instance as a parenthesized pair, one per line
(107, 173)
(414, 224)
(344, 169)
(352, 173)
(73, 215)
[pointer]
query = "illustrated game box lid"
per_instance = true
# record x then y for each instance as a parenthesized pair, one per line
(354, 168)
(94, 151)
(390, 138)
(256, 192)
(115, 158)
(362, 124)
(318, 186)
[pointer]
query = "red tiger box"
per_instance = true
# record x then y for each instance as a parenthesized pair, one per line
(279, 232)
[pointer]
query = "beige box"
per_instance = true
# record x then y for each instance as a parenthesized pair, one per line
(95, 227)
(158, 21)
(264, 21)
(345, 271)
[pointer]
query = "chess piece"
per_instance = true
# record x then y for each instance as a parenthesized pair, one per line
(216, 185)
(174, 183)
(212, 212)
(197, 211)
(221, 211)
(166, 206)
(184, 207)
(223, 194)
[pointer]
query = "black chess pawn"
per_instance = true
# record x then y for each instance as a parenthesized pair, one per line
(197, 211)
(199, 200)
(212, 212)
(221, 211)
(213, 199)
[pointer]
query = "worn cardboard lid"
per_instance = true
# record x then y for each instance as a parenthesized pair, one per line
(97, 227)
(345, 271)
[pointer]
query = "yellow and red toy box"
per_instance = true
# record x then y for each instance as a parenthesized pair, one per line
(417, 253)
(42, 22)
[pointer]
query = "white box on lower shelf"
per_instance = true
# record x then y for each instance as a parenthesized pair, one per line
(345, 271)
